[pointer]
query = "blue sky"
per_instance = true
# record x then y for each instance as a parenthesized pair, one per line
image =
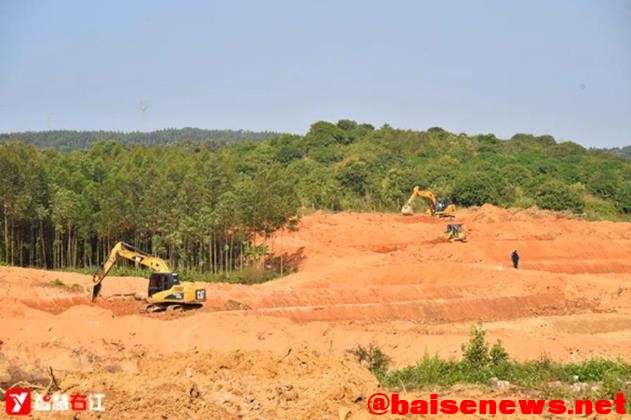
(558, 67)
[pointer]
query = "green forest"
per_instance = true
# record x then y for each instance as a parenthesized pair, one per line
(65, 140)
(64, 202)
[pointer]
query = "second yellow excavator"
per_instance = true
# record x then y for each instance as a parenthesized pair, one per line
(166, 291)
(437, 207)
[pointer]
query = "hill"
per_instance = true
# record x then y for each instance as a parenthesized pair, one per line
(65, 140)
(201, 206)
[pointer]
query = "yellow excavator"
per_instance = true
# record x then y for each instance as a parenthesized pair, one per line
(166, 291)
(435, 207)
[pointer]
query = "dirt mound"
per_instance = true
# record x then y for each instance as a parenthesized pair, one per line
(56, 305)
(237, 384)
(490, 214)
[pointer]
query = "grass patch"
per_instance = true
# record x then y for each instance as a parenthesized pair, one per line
(480, 364)
(57, 283)
(536, 374)
(599, 210)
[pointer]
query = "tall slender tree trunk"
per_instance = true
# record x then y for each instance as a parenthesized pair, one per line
(6, 232)
(225, 252)
(41, 232)
(32, 241)
(20, 243)
(232, 265)
(37, 248)
(55, 250)
(215, 270)
(281, 257)
(200, 255)
(11, 242)
(88, 251)
(241, 257)
(210, 254)
(75, 253)
(68, 245)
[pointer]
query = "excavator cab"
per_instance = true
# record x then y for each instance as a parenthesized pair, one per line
(442, 204)
(159, 282)
(167, 292)
(455, 232)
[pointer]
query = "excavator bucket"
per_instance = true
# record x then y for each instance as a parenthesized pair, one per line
(95, 290)
(407, 210)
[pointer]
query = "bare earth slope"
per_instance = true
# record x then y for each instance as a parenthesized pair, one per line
(280, 348)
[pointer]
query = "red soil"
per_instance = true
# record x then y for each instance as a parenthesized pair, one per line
(380, 278)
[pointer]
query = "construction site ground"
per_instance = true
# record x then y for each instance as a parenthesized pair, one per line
(281, 349)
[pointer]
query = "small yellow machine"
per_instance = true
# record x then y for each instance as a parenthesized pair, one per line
(166, 291)
(436, 207)
(456, 233)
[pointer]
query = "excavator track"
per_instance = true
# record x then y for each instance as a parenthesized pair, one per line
(152, 307)
(169, 307)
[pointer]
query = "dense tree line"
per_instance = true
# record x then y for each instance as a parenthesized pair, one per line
(621, 151)
(192, 206)
(66, 140)
(201, 205)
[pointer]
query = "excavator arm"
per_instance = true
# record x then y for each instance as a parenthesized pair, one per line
(129, 252)
(417, 192)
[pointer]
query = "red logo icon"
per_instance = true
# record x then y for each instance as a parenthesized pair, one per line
(17, 402)
(79, 402)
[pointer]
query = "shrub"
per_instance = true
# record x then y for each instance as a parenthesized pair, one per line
(623, 197)
(373, 358)
(603, 184)
(353, 175)
(476, 352)
(498, 353)
(555, 195)
(475, 189)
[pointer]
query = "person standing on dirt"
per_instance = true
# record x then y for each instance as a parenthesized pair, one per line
(515, 257)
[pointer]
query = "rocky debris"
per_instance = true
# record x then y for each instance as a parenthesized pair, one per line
(499, 384)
